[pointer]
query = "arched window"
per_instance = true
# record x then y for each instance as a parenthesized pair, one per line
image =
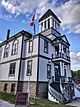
(15, 47)
(6, 50)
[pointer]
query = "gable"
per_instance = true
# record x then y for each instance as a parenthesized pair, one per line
(65, 39)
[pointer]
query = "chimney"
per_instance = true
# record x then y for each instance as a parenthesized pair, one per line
(8, 34)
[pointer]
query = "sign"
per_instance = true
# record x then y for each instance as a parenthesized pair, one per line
(21, 98)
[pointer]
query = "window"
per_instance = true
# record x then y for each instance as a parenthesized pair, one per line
(56, 25)
(6, 51)
(12, 69)
(45, 24)
(48, 23)
(30, 46)
(45, 46)
(29, 68)
(5, 86)
(15, 47)
(48, 71)
(53, 23)
(0, 53)
(12, 87)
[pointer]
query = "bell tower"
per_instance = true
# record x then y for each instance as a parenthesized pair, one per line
(49, 24)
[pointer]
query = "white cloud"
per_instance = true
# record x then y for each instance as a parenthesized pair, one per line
(0, 41)
(75, 60)
(70, 15)
(69, 12)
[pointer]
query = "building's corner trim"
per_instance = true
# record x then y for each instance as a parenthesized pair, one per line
(38, 66)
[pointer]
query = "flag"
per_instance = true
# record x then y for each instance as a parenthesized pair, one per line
(32, 21)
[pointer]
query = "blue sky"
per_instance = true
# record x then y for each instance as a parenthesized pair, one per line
(16, 15)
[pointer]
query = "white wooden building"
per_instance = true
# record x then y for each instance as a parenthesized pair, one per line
(50, 71)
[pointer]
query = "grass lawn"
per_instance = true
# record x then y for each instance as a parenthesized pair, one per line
(34, 102)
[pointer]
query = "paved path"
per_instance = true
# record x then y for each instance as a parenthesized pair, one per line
(5, 104)
(75, 103)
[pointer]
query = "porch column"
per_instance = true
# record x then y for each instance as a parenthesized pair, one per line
(62, 50)
(69, 70)
(53, 71)
(68, 73)
(43, 27)
(67, 52)
(60, 47)
(61, 68)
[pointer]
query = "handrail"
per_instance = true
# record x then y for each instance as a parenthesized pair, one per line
(57, 95)
(76, 85)
(66, 95)
(51, 80)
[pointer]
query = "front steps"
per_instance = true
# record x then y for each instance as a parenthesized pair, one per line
(55, 93)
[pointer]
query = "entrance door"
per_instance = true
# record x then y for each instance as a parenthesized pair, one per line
(57, 72)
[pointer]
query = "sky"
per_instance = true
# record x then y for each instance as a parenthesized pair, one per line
(16, 16)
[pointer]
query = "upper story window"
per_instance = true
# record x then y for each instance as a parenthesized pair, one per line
(45, 46)
(12, 69)
(48, 23)
(6, 50)
(48, 71)
(15, 47)
(30, 46)
(29, 68)
(0, 53)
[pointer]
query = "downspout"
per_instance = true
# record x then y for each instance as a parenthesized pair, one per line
(20, 83)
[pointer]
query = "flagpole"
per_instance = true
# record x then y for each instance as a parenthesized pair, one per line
(28, 90)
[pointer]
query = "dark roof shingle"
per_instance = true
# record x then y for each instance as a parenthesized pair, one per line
(47, 14)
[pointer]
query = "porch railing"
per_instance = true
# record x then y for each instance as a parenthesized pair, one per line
(66, 79)
(53, 92)
(65, 94)
(60, 55)
(75, 85)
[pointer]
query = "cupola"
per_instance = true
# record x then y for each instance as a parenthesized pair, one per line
(48, 20)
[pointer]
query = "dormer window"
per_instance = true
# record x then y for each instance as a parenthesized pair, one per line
(6, 50)
(15, 47)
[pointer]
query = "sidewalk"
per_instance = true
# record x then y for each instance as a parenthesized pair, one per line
(75, 103)
(5, 104)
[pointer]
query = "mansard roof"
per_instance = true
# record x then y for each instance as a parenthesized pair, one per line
(47, 14)
(61, 38)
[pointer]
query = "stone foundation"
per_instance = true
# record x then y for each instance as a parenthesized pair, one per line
(42, 91)
(25, 84)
